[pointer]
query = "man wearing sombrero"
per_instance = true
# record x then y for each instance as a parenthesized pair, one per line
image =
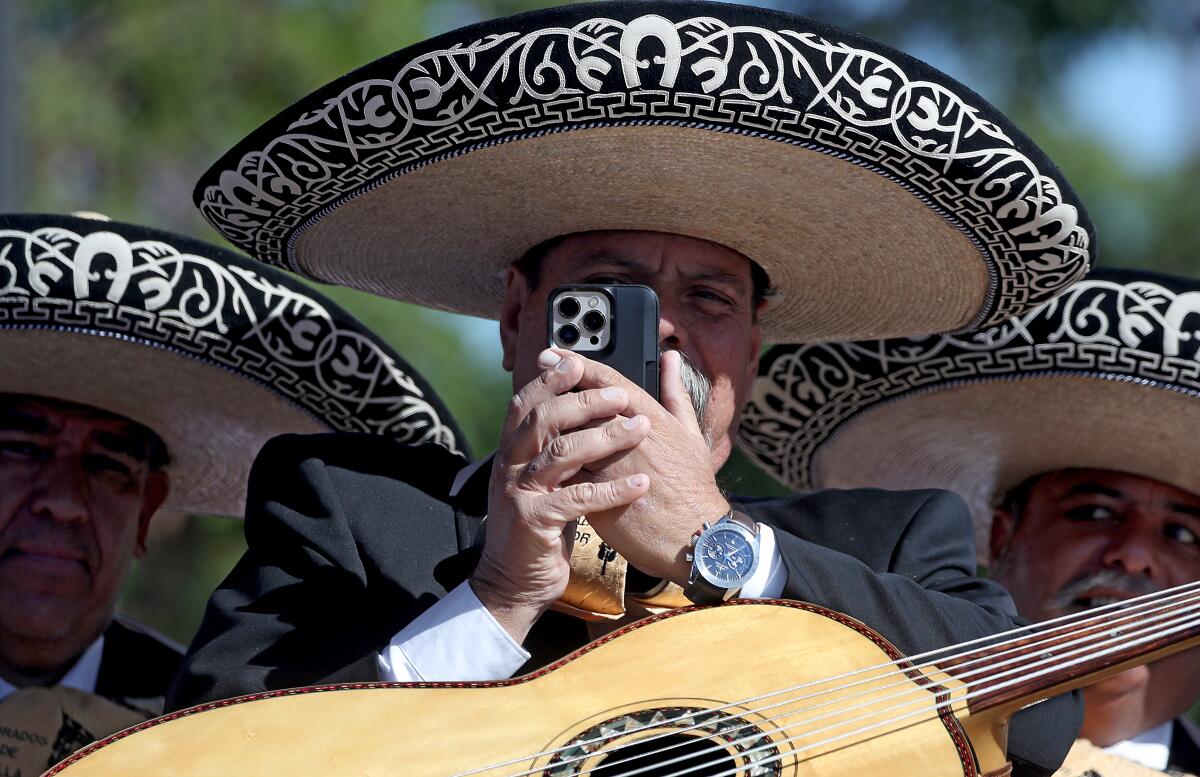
(769, 176)
(142, 372)
(1070, 430)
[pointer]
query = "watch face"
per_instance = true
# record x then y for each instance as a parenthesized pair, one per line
(725, 558)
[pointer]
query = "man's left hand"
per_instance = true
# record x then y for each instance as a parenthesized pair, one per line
(654, 533)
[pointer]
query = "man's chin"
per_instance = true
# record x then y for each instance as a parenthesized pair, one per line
(40, 618)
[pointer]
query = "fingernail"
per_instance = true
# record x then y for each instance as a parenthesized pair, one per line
(637, 481)
(632, 423)
(565, 365)
(548, 358)
(613, 392)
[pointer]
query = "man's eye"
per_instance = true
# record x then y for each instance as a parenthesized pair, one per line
(106, 464)
(1180, 534)
(607, 280)
(21, 450)
(714, 297)
(1091, 513)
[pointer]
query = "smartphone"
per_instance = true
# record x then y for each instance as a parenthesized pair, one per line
(616, 325)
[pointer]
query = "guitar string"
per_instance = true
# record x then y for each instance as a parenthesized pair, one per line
(1188, 624)
(920, 702)
(909, 690)
(1022, 651)
(1060, 623)
(1044, 628)
(921, 695)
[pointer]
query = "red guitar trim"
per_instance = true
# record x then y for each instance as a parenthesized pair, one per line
(961, 743)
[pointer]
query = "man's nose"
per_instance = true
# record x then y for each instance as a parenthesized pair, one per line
(1132, 549)
(60, 491)
(671, 332)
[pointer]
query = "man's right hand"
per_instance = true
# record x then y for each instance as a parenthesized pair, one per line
(549, 434)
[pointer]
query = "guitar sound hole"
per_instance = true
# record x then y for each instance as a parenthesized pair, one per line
(698, 752)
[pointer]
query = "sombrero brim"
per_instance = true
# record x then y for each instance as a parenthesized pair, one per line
(209, 350)
(881, 197)
(1105, 377)
(982, 439)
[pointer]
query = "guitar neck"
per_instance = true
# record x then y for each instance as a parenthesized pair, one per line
(1064, 658)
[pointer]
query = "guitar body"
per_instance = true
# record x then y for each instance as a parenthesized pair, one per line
(663, 676)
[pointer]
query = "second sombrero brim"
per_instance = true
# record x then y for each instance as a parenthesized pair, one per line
(213, 421)
(852, 254)
(981, 439)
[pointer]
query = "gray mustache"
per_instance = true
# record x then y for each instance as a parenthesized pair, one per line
(1107, 578)
(698, 388)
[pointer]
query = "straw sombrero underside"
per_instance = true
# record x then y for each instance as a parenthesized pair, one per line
(211, 351)
(1105, 377)
(882, 197)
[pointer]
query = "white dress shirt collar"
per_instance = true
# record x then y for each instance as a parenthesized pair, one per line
(1151, 749)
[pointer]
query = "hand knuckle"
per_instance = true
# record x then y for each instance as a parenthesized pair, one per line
(560, 447)
(586, 492)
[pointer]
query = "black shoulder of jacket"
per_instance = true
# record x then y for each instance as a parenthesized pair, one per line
(137, 662)
(851, 505)
(429, 467)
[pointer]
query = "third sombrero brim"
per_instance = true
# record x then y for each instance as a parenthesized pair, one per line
(882, 197)
(982, 439)
(1106, 376)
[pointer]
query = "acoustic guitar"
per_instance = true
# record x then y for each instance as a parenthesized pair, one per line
(745, 689)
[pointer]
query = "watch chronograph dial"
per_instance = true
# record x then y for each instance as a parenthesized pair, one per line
(725, 558)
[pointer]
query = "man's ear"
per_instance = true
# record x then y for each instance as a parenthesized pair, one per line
(1004, 526)
(158, 485)
(516, 292)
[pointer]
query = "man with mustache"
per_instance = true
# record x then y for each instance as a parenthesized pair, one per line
(1071, 432)
(614, 143)
(106, 418)
(1071, 539)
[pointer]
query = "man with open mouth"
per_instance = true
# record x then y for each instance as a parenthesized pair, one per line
(141, 372)
(1071, 432)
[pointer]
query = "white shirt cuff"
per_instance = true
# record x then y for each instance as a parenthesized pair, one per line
(455, 640)
(770, 576)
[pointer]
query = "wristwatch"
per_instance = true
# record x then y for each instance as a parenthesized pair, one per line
(724, 556)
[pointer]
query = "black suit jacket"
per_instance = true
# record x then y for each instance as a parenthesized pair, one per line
(350, 537)
(136, 666)
(1185, 747)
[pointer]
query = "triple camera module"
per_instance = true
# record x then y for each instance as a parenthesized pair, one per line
(580, 320)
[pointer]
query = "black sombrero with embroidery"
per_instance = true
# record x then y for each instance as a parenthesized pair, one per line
(882, 197)
(212, 351)
(1106, 376)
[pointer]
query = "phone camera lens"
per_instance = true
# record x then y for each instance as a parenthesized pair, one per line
(568, 307)
(593, 321)
(568, 335)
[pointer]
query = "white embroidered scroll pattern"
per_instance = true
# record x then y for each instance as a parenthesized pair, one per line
(225, 313)
(788, 85)
(1140, 331)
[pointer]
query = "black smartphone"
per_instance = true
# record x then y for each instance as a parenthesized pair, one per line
(616, 325)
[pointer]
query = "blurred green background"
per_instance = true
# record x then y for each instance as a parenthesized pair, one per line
(119, 106)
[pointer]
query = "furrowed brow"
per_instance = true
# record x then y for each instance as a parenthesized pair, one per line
(609, 258)
(16, 420)
(1088, 488)
(1191, 511)
(127, 444)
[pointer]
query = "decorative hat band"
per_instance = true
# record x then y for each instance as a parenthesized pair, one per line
(726, 69)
